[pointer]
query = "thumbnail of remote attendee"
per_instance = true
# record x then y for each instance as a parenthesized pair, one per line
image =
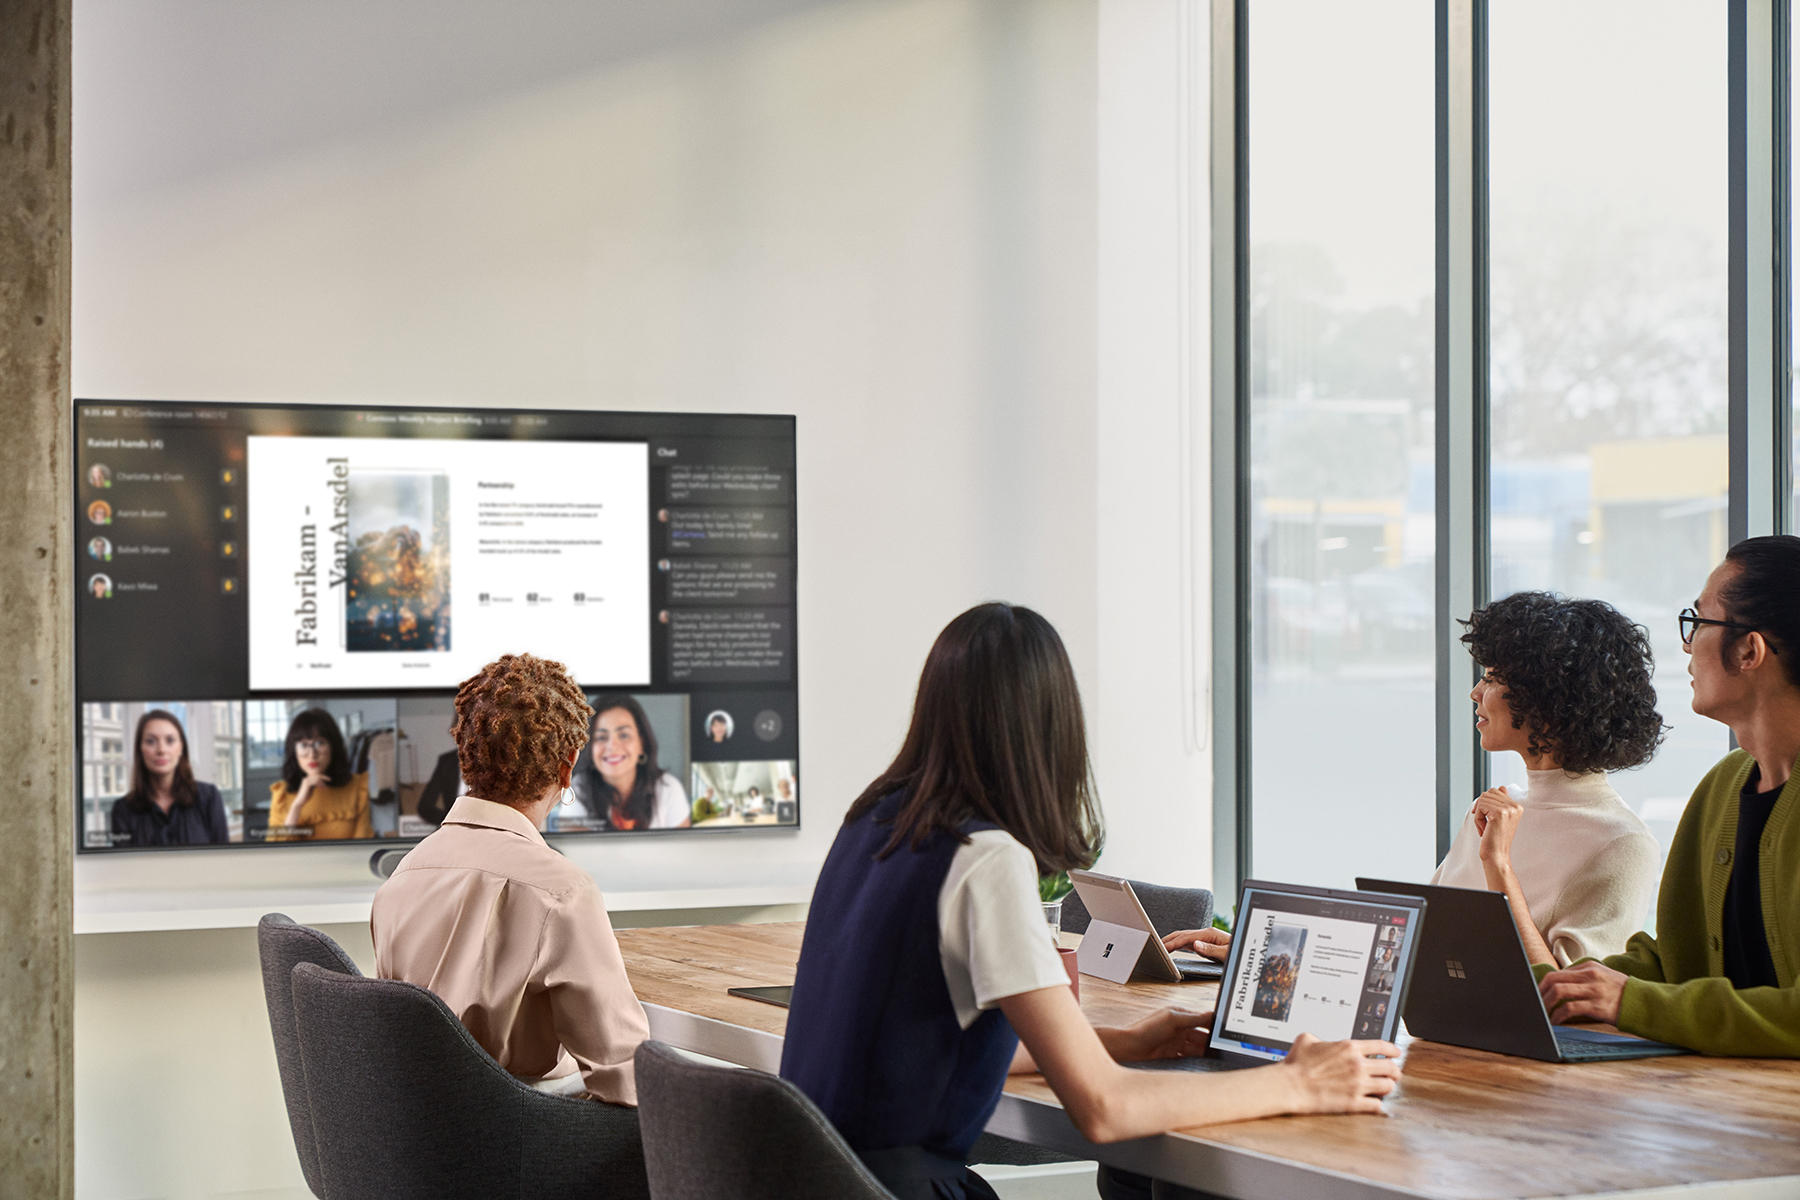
(100, 475)
(1566, 685)
(1721, 975)
(100, 586)
(441, 790)
(100, 512)
(618, 781)
(100, 548)
(719, 726)
(166, 805)
(926, 961)
(510, 934)
(318, 797)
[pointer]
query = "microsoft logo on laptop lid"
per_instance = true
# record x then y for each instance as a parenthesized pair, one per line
(1455, 968)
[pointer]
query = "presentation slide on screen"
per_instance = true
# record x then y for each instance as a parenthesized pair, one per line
(1300, 973)
(381, 563)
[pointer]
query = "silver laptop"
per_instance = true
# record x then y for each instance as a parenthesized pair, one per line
(1111, 899)
(1308, 960)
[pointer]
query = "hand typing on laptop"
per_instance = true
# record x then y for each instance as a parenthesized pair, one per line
(1342, 1076)
(1588, 992)
(1207, 943)
(1169, 1033)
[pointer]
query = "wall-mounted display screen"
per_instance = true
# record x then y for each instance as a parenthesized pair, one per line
(275, 605)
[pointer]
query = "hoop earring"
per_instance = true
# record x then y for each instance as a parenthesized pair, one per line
(642, 759)
(568, 797)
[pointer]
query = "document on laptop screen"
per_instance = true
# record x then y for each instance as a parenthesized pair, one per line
(1310, 964)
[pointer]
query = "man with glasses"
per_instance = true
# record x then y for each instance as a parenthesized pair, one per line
(1720, 975)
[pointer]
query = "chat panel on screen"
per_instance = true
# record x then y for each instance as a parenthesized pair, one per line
(410, 563)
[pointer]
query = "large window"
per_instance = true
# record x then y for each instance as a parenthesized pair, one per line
(1609, 341)
(1341, 280)
(1503, 316)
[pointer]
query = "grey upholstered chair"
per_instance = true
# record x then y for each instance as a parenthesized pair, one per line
(1169, 908)
(407, 1106)
(712, 1133)
(283, 945)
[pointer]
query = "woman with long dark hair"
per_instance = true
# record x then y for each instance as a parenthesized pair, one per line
(318, 797)
(926, 961)
(166, 805)
(618, 780)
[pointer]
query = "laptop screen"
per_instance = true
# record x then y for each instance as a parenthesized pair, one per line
(1307, 960)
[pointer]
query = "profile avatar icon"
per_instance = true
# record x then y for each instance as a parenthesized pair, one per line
(719, 726)
(100, 587)
(100, 512)
(100, 549)
(100, 475)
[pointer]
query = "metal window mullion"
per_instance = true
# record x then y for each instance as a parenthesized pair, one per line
(1781, 99)
(1230, 449)
(1462, 562)
(1758, 389)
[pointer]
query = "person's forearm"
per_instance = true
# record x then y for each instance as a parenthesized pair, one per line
(1118, 1042)
(1711, 1016)
(1502, 879)
(1141, 1103)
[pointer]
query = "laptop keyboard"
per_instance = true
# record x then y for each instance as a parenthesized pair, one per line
(1586, 1046)
(1578, 1051)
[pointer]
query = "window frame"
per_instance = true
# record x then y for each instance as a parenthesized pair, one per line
(1760, 386)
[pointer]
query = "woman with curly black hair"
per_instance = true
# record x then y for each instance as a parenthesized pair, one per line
(1567, 687)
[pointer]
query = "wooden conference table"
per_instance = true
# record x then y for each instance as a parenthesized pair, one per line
(1464, 1123)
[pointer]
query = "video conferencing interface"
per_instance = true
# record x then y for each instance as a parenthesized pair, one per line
(291, 595)
(1322, 965)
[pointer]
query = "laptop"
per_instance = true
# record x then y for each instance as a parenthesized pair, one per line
(1475, 987)
(1334, 964)
(1109, 898)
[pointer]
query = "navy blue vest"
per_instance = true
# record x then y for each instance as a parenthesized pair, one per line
(872, 1035)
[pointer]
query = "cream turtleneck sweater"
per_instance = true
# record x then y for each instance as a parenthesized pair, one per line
(1587, 865)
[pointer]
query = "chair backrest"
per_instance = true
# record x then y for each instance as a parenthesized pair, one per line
(283, 945)
(1169, 908)
(406, 1104)
(712, 1132)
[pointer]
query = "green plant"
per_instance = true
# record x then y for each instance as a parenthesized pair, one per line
(1052, 888)
(1221, 921)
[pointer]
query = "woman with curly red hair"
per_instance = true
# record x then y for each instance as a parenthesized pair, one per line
(509, 933)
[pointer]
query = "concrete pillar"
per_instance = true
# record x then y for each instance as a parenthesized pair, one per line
(37, 742)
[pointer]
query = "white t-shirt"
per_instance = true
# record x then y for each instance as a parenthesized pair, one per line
(992, 937)
(671, 807)
(668, 809)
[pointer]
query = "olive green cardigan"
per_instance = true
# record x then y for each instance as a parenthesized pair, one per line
(1678, 992)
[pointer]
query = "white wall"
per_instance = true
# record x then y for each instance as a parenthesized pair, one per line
(1151, 753)
(876, 216)
(937, 231)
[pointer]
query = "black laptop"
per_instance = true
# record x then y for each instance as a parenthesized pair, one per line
(1307, 960)
(1473, 985)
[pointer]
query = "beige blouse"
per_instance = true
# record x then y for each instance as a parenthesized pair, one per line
(515, 939)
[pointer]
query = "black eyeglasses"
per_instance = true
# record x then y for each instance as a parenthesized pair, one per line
(1691, 622)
